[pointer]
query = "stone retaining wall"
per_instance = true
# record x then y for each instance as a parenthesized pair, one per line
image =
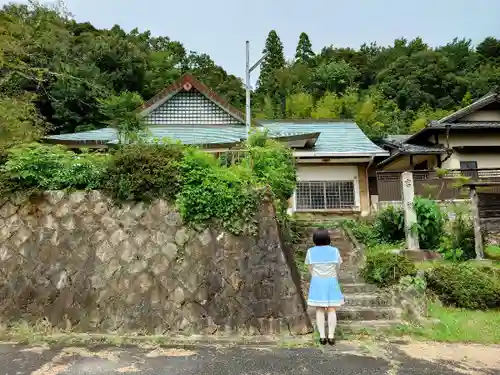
(82, 262)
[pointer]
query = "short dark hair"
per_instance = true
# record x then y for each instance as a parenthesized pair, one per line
(322, 237)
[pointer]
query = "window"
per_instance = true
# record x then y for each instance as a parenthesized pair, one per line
(470, 169)
(324, 195)
(468, 165)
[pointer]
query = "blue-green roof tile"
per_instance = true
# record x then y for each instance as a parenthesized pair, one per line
(336, 136)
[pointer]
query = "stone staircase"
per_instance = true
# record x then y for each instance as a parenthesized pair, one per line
(366, 307)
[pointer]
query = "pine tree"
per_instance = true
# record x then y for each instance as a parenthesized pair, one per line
(274, 61)
(304, 52)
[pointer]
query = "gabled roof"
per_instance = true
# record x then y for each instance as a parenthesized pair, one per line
(410, 149)
(186, 83)
(337, 138)
(450, 121)
(489, 98)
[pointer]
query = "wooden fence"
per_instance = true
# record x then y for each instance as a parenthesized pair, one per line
(489, 211)
(436, 184)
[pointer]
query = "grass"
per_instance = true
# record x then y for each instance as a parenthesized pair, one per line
(429, 264)
(493, 252)
(383, 248)
(457, 325)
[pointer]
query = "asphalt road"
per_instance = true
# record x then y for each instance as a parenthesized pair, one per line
(18, 360)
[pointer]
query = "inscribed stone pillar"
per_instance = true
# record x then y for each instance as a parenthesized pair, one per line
(409, 210)
(478, 237)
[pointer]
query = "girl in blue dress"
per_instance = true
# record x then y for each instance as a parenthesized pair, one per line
(324, 262)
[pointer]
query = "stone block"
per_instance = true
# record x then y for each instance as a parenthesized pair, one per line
(114, 268)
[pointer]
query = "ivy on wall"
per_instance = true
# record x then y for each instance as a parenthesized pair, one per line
(203, 188)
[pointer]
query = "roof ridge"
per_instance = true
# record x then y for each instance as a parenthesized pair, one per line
(483, 101)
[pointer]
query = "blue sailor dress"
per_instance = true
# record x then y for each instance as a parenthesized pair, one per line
(324, 290)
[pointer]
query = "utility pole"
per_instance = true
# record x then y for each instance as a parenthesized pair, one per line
(248, 70)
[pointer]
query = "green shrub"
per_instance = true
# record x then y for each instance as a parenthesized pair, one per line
(210, 191)
(389, 225)
(363, 230)
(492, 252)
(42, 167)
(457, 242)
(386, 269)
(273, 164)
(144, 172)
(430, 223)
(465, 285)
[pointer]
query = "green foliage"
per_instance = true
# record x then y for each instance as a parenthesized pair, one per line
(144, 172)
(457, 243)
(362, 230)
(273, 62)
(299, 105)
(327, 107)
(333, 76)
(273, 165)
(210, 191)
(120, 113)
(430, 223)
(386, 269)
(19, 121)
(389, 225)
(465, 285)
(492, 252)
(36, 167)
(70, 67)
(417, 284)
(304, 52)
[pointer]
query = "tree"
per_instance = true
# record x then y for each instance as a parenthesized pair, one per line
(489, 49)
(273, 62)
(424, 78)
(327, 107)
(335, 76)
(425, 115)
(56, 72)
(120, 112)
(304, 52)
(20, 122)
(299, 105)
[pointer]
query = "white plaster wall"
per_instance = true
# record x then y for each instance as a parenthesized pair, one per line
(483, 160)
(482, 115)
(471, 140)
(330, 173)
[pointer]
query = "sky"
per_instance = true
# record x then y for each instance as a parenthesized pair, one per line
(221, 27)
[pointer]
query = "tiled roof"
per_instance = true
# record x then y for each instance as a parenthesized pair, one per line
(396, 139)
(489, 98)
(416, 149)
(186, 134)
(339, 137)
(334, 137)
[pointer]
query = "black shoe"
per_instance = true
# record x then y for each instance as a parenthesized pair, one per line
(331, 341)
(322, 341)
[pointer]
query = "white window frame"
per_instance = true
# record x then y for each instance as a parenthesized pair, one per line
(355, 207)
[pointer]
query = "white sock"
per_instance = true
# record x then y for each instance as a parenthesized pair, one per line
(332, 323)
(320, 322)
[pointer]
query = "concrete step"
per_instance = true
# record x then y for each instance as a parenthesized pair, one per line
(348, 326)
(352, 288)
(367, 300)
(361, 313)
(356, 313)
